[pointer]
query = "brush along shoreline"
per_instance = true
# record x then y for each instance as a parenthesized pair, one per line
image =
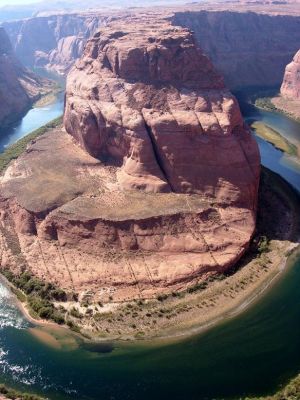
(200, 305)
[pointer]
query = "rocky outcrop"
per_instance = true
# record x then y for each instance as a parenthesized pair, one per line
(154, 104)
(248, 48)
(290, 87)
(53, 42)
(19, 88)
(162, 190)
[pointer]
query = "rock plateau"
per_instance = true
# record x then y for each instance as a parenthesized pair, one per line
(153, 185)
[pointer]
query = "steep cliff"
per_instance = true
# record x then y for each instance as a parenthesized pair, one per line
(290, 87)
(249, 49)
(162, 190)
(19, 88)
(54, 42)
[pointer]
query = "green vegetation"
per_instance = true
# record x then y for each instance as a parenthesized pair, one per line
(39, 295)
(270, 135)
(290, 392)
(263, 244)
(265, 103)
(16, 149)
(14, 394)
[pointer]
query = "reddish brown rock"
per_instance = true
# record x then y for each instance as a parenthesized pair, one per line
(148, 99)
(290, 87)
(162, 190)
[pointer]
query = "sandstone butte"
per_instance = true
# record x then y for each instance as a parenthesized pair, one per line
(19, 88)
(289, 99)
(153, 183)
(290, 87)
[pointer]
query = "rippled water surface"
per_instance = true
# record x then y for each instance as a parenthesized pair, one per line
(249, 354)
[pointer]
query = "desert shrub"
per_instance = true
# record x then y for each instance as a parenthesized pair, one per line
(74, 312)
(14, 394)
(263, 245)
(162, 297)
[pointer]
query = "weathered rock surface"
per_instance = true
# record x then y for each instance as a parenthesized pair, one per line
(290, 87)
(19, 88)
(162, 190)
(288, 100)
(248, 48)
(154, 104)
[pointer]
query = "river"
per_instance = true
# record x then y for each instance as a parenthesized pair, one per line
(250, 354)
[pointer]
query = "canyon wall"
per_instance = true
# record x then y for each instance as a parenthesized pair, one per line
(53, 42)
(290, 87)
(19, 88)
(249, 49)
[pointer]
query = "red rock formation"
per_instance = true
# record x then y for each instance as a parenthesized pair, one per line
(290, 87)
(154, 104)
(163, 190)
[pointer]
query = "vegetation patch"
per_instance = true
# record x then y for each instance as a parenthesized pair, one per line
(39, 295)
(290, 392)
(15, 395)
(266, 104)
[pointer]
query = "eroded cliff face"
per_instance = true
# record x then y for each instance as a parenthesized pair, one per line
(156, 106)
(154, 187)
(290, 87)
(53, 42)
(248, 48)
(19, 88)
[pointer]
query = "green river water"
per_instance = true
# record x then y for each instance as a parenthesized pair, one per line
(250, 354)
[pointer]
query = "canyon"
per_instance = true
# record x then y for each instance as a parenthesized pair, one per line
(151, 187)
(53, 42)
(250, 45)
(19, 87)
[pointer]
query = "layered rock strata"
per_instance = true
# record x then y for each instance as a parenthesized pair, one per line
(248, 48)
(154, 188)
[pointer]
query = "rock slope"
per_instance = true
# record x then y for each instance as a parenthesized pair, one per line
(290, 87)
(19, 88)
(154, 187)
